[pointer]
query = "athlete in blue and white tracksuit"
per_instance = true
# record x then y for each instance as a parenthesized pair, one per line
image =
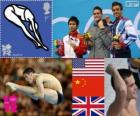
(125, 29)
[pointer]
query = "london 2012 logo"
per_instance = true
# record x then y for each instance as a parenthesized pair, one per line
(10, 103)
(6, 50)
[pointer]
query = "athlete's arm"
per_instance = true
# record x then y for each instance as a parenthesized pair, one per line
(40, 88)
(121, 92)
(131, 32)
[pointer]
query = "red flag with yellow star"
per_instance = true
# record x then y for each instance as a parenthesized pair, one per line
(88, 86)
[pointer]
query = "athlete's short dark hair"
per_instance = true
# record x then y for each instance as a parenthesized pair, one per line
(125, 73)
(97, 8)
(117, 4)
(73, 18)
(28, 70)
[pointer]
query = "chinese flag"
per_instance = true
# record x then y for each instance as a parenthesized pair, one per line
(88, 86)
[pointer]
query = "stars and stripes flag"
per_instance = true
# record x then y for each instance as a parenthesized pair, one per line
(87, 106)
(88, 67)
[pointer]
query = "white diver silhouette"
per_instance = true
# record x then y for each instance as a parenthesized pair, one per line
(18, 14)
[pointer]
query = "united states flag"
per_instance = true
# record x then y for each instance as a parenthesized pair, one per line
(88, 67)
(87, 106)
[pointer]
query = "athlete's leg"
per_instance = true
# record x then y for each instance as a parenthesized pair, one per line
(29, 17)
(37, 35)
(9, 14)
(29, 91)
(16, 87)
(51, 96)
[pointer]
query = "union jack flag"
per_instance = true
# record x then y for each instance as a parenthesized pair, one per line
(87, 106)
